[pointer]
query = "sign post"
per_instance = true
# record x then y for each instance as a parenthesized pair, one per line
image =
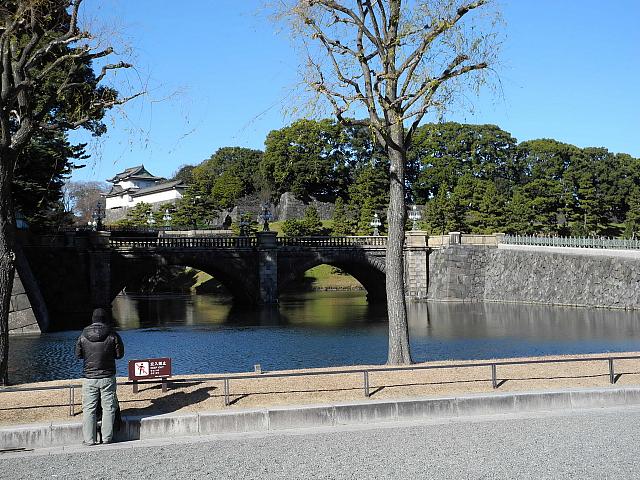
(150, 368)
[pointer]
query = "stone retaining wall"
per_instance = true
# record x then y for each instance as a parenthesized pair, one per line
(475, 273)
(21, 316)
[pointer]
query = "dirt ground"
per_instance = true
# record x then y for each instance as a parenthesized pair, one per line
(196, 393)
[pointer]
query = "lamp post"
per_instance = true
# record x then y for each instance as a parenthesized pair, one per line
(97, 216)
(150, 220)
(414, 216)
(265, 217)
(375, 223)
(166, 218)
(244, 227)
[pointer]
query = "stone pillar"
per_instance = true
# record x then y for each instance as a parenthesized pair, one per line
(268, 267)
(416, 264)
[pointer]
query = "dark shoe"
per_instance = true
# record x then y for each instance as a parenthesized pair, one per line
(107, 442)
(88, 444)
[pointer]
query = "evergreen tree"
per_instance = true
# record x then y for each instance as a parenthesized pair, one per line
(311, 223)
(342, 224)
(632, 220)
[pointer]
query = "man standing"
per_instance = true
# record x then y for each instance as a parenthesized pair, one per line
(99, 345)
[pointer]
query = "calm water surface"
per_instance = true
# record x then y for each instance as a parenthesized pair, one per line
(204, 334)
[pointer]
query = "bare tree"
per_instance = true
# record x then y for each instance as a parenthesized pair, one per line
(82, 198)
(46, 84)
(392, 61)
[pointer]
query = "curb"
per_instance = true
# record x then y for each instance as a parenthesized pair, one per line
(56, 434)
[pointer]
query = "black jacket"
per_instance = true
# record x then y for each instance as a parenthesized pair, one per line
(99, 346)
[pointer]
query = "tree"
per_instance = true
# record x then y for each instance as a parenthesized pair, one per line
(309, 225)
(446, 151)
(46, 85)
(83, 197)
(397, 60)
(302, 158)
(369, 194)
(342, 224)
(184, 173)
(632, 220)
(38, 182)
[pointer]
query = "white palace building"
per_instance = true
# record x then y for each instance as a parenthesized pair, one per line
(136, 185)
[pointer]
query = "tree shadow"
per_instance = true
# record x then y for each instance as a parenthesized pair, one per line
(167, 403)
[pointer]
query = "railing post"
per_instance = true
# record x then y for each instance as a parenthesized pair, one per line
(71, 401)
(226, 392)
(612, 375)
(494, 380)
(365, 375)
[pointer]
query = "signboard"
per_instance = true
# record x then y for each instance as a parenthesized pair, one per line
(149, 368)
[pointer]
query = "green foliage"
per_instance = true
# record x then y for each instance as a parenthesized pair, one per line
(39, 177)
(184, 173)
(249, 222)
(137, 216)
(310, 225)
(217, 183)
(343, 225)
(632, 220)
(311, 222)
(471, 178)
(302, 158)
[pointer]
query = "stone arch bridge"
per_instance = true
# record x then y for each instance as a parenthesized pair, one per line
(78, 273)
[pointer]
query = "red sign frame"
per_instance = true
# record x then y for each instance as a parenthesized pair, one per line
(147, 368)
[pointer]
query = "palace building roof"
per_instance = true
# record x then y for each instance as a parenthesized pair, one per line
(134, 173)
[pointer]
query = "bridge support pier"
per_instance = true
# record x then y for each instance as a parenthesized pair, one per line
(416, 258)
(268, 267)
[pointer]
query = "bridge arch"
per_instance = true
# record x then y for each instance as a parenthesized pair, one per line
(367, 269)
(231, 270)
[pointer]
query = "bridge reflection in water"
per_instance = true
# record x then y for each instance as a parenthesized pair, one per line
(328, 329)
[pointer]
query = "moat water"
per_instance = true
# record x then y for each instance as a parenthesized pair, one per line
(206, 334)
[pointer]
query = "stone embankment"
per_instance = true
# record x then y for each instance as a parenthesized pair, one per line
(576, 277)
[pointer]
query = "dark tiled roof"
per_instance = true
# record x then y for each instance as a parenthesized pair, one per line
(134, 172)
(160, 187)
(115, 190)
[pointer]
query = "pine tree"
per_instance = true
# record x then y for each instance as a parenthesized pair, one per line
(342, 224)
(632, 220)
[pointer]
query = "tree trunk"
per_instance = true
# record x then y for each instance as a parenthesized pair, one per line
(7, 258)
(399, 352)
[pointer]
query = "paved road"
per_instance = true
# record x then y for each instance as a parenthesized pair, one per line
(598, 444)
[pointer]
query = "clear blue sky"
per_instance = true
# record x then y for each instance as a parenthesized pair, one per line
(570, 71)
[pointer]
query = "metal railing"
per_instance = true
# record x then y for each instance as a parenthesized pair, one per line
(371, 241)
(182, 242)
(574, 242)
(496, 381)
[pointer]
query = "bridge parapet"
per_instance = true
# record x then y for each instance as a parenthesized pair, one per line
(332, 242)
(128, 243)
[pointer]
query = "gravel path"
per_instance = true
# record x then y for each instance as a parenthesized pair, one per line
(594, 444)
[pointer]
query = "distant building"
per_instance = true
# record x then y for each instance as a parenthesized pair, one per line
(136, 185)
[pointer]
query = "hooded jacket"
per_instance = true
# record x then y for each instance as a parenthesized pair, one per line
(99, 345)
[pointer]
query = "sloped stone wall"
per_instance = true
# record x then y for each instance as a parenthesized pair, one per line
(21, 316)
(290, 207)
(473, 273)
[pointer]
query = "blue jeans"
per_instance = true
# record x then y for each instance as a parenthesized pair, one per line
(94, 389)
